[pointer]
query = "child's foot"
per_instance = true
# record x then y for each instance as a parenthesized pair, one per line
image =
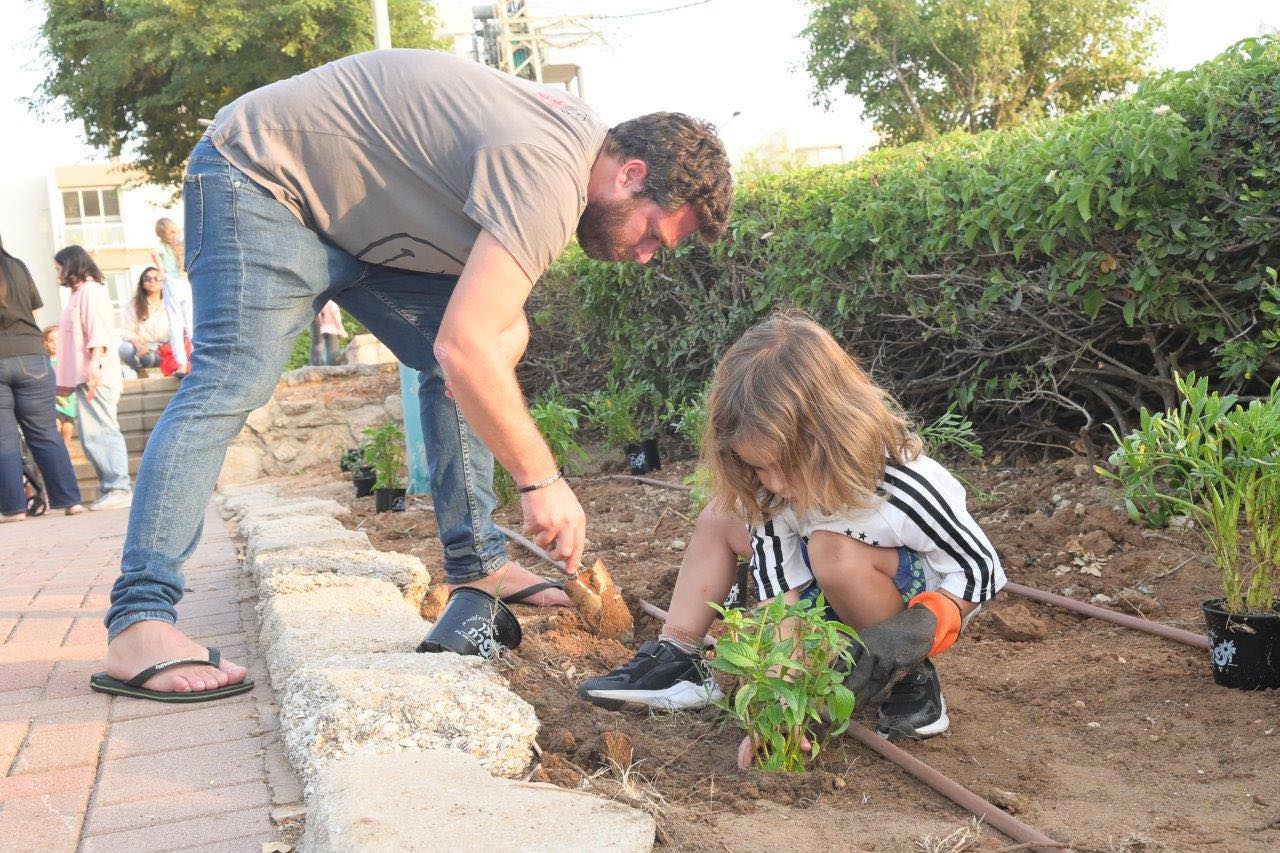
(915, 707)
(660, 677)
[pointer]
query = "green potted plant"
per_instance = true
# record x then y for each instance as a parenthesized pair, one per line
(362, 474)
(615, 411)
(385, 452)
(1218, 463)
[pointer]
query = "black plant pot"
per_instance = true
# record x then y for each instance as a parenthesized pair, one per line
(1244, 648)
(637, 460)
(651, 455)
(473, 623)
(388, 500)
(364, 479)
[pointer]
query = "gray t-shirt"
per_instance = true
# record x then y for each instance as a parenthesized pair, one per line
(401, 157)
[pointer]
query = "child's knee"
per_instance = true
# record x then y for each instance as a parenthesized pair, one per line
(723, 527)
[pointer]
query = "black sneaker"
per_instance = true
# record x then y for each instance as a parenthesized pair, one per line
(915, 707)
(660, 677)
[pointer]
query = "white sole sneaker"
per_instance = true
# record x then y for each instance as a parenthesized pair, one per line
(112, 500)
(681, 696)
(937, 727)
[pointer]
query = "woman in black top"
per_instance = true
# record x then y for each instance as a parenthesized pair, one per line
(26, 399)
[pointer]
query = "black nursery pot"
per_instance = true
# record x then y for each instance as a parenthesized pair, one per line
(473, 623)
(364, 479)
(388, 500)
(651, 456)
(1244, 648)
(637, 461)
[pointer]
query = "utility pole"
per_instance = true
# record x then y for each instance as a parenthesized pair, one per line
(381, 25)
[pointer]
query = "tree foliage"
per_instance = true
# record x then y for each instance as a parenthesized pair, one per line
(1047, 279)
(140, 73)
(925, 67)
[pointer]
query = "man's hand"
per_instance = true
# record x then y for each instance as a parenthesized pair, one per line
(554, 519)
(889, 651)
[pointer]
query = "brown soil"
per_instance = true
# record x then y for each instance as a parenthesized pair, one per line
(1104, 738)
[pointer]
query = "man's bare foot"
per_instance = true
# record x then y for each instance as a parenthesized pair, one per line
(144, 644)
(512, 578)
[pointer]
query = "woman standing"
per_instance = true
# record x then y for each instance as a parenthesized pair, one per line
(88, 362)
(26, 399)
(326, 332)
(177, 292)
(146, 326)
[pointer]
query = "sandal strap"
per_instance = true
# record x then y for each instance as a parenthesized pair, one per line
(215, 658)
(530, 591)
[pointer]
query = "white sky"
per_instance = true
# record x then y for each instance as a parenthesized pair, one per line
(710, 61)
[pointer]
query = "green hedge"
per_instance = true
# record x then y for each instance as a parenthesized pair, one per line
(1048, 279)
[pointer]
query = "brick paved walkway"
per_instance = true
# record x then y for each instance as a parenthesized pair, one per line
(86, 772)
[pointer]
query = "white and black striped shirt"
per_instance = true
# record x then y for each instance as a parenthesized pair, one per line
(921, 507)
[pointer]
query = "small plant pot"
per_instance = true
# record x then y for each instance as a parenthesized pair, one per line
(1244, 648)
(651, 456)
(637, 459)
(364, 479)
(473, 623)
(388, 500)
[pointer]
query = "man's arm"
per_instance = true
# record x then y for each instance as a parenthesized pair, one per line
(486, 310)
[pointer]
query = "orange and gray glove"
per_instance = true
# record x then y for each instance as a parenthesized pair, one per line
(899, 644)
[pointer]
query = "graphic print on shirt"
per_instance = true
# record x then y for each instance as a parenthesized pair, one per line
(396, 247)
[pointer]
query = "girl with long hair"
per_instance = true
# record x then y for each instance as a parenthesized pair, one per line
(178, 302)
(89, 364)
(821, 484)
(146, 324)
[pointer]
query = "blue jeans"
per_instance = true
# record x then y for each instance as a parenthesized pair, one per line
(259, 276)
(100, 434)
(129, 355)
(27, 388)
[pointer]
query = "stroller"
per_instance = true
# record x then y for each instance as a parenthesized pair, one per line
(32, 485)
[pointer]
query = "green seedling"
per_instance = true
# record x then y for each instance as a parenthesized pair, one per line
(385, 452)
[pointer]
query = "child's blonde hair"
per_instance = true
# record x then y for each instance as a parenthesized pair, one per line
(788, 388)
(166, 226)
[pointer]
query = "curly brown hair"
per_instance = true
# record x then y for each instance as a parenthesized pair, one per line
(687, 165)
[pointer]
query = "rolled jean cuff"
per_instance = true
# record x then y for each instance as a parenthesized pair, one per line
(130, 619)
(468, 571)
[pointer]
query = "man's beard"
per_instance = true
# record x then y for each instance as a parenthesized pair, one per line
(600, 228)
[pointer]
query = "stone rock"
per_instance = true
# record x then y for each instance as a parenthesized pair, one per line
(366, 349)
(254, 527)
(286, 451)
(616, 748)
(1097, 542)
(333, 540)
(240, 466)
(393, 405)
(1138, 601)
(389, 703)
(317, 617)
(1017, 623)
(271, 505)
(437, 800)
(1010, 801)
(405, 571)
(262, 419)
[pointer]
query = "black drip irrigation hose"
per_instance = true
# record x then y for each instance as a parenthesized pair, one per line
(1148, 626)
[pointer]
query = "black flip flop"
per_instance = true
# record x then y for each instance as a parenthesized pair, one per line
(530, 591)
(104, 683)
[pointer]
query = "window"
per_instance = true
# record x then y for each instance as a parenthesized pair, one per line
(120, 285)
(93, 217)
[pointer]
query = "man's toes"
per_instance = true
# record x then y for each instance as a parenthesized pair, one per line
(179, 684)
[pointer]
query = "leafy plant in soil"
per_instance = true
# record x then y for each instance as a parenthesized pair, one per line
(788, 660)
(614, 410)
(951, 431)
(1217, 462)
(558, 423)
(352, 459)
(385, 452)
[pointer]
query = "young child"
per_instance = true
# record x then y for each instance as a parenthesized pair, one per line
(64, 405)
(177, 297)
(822, 485)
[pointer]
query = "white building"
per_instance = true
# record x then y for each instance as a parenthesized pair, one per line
(105, 207)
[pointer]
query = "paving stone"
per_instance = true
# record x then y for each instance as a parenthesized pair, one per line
(44, 822)
(254, 526)
(178, 771)
(386, 703)
(246, 827)
(415, 801)
(53, 745)
(40, 628)
(167, 808)
(275, 573)
(277, 507)
(192, 727)
(48, 783)
(336, 540)
(332, 615)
